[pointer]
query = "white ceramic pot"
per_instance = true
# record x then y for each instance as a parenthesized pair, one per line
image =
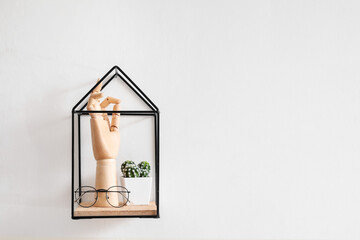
(140, 189)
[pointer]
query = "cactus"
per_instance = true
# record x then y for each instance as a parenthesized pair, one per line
(127, 163)
(144, 169)
(130, 170)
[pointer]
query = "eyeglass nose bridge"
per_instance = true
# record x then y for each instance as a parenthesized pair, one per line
(101, 190)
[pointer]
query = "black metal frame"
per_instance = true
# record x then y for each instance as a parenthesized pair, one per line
(117, 72)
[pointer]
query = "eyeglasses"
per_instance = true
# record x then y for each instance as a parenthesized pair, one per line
(87, 196)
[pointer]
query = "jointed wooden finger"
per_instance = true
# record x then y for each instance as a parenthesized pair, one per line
(93, 103)
(115, 121)
(98, 88)
(106, 118)
(96, 95)
(108, 101)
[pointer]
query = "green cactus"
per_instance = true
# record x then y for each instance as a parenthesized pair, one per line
(130, 170)
(144, 169)
(127, 163)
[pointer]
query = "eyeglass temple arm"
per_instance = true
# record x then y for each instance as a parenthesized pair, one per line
(79, 197)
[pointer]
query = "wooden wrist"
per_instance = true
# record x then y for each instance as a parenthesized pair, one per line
(105, 177)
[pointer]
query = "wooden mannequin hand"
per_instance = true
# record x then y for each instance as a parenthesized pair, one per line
(105, 137)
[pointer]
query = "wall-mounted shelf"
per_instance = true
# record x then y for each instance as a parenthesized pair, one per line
(142, 211)
(132, 210)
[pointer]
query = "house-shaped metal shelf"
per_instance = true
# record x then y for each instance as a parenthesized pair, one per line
(143, 211)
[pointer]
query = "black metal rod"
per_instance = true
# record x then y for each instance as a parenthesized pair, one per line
(72, 166)
(79, 153)
(114, 111)
(110, 79)
(154, 106)
(157, 162)
(135, 113)
(88, 93)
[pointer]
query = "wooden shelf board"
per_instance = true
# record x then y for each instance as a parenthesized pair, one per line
(130, 210)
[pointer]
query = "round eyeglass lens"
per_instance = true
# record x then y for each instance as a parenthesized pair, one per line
(117, 196)
(86, 196)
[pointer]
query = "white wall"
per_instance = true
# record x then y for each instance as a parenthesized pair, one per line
(259, 103)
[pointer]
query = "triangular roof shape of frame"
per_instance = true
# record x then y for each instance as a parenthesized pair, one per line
(117, 72)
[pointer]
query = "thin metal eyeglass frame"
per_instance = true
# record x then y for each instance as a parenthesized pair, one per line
(82, 193)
